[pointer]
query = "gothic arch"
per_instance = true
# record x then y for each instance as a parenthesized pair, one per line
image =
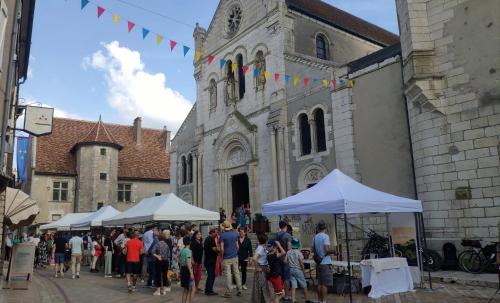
(327, 45)
(259, 47)
(311, 175)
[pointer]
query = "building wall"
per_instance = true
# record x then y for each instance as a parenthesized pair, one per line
(41, 191)
(140, 191)
(451, 55)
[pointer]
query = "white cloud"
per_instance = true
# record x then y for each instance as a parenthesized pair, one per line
(133, 92)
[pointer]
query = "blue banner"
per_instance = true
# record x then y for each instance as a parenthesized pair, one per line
(23, 144)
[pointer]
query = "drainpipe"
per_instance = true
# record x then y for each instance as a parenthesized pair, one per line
(11, 72)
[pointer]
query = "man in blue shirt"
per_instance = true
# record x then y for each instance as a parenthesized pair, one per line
(229, 249)
(321, 247)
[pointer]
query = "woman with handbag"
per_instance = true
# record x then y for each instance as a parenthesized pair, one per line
(261, 292)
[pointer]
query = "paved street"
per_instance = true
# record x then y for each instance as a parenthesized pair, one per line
(94, 288)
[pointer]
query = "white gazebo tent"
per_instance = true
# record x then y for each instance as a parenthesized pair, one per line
(339, 194)
(64, 224)
(95, 219)
(167, 207)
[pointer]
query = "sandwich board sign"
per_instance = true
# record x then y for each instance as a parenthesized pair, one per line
(21, 265)
(38, 120)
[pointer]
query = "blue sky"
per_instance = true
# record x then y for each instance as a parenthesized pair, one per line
(77, 67)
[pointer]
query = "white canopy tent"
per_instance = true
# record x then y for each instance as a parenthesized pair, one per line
(167, 207)
(337, 193)
(95, 219)
(64, 224)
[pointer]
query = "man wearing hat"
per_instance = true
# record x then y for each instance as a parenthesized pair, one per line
(321, 248)
(229, 250)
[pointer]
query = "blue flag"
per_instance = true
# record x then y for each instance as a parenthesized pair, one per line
(255, 72)
(287, 78)
(222, 63)
(23, 144)
(145, 33)
(84, 3)
(186, 50)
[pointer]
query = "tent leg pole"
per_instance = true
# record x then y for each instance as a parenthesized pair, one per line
(348, 257)
(336, 236)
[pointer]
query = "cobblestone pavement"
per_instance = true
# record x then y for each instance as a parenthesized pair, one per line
(92, 288)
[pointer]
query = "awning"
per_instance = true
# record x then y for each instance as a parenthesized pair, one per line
(20, 209)
(64, 224)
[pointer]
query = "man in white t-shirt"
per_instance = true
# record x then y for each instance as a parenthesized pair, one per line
(324, 270)
(76, 246)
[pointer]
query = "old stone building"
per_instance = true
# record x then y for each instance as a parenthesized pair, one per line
(254, 138)
(84, 165)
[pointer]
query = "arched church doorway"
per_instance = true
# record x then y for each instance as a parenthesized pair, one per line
(240, 190)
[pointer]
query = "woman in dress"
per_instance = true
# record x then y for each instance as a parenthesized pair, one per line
(197, 250)
(96, 253)
(260, 292)
(43, 252)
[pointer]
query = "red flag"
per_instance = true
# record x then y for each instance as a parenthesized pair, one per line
(276, 77)
(172, 44)
(306, 81)
(334, 82)
(130, 26)
(100, 11)
(210, 59)
(245, 69)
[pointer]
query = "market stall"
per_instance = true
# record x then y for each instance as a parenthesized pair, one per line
(339, 194)
(95, 219)
(167, 207)
(64, 224)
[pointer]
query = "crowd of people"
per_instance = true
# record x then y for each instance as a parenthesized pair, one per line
(180, 256)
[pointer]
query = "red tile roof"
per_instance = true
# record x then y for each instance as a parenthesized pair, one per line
(327, 13)
(148, 160)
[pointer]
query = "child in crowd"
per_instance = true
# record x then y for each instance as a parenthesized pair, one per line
(273, 258)
(187, 275)
(296, 263)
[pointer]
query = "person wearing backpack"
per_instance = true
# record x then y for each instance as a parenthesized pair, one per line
(285, 240)
(161, 252)
(322, 251)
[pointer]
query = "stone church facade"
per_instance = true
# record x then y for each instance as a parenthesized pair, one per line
(417, 118)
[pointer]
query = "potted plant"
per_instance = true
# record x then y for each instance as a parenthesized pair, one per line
(260, 223)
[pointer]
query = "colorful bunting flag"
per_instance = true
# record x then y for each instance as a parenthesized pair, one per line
(84, 3)
(116, 19)
(315, 80)
(145, 33)
(234, 66)
(100, 11)
(306, 81)
(186, 50)
(325, 83)
(334, 83)
(266, 75)
(287, 78)
(210, 58)
(197, 55)
(255, 72)
(350, 83)
(159, 39)
(130, 26)
(172, 45)
(296, 80)
(276, 76)
(222, 63)
(245, 69)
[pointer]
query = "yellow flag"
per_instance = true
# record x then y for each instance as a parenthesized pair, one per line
(296, 80)
(159, 38)
(116, 19)
(197, 55)
(325, 83)
(266, 75)
(234, 66)
(350, 83)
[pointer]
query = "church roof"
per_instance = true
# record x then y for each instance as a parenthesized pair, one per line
(375, 57)
(329, 14)
(146, 161)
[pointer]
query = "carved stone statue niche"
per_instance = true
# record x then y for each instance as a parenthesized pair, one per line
(231, 93)
(260, 65)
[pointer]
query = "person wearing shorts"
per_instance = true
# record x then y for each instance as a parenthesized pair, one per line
(187, 275)
(275, 259)
(296, 263)
(321, 247)
(134, 248)
(59, 254)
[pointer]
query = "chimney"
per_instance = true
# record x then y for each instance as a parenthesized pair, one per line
(137, 130)
(166, 136)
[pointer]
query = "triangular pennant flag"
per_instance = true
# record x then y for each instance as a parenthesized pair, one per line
(296, 80)
(210, 58)
(245, 69)
(276, 76)
(100, 11)
(130, 26)
(350, 83)
(197, 56)
(116, 19)
(159, 39)
(186, 50)
(255, 72)
(306, 81)
(172, 44)
(234, 66)
(334, 83)
(287, 78)
(222, 63)
(325, 83)
(84, 3)
(266, 75)
(145, 33)
(342, 82)
(315, 80)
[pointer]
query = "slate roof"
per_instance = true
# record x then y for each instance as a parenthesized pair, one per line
(147, 161)
(329, 14)
(375, 57)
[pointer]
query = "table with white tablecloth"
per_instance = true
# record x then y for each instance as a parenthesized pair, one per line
(386, 276)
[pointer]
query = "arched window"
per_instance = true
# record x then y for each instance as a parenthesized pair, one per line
(319, 120)
(321, 47)
(190, 169)
(183, 170)
(305, 134)
(241, 76)
(230, 83)
(260, 67)
(212, 88)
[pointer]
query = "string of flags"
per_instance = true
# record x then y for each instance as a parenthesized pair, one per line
(198, 55)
